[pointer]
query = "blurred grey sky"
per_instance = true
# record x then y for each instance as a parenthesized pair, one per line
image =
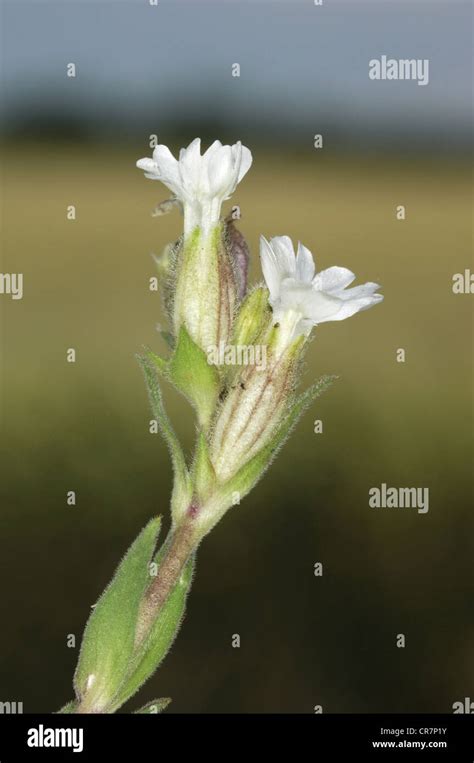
(304, 68)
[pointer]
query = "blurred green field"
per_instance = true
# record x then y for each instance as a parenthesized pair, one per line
(84, 427)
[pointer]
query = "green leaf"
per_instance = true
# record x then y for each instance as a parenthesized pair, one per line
(155, 647)
(154, 707)
(182, 483)
(306, 398)
(203, 474)
(108, 641)
(197, 379)
(160, 363)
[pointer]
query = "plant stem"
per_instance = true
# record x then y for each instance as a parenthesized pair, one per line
(180, 544)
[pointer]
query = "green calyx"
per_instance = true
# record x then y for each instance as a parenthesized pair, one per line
(251, 471)
(252, 318)
(206, 290)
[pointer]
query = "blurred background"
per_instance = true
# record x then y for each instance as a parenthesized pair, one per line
(167, 70)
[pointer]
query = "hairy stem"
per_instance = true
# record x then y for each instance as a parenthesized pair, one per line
(179, 545)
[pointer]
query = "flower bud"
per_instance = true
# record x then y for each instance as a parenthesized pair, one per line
(253, 411)
(253, 317)
(206, 290)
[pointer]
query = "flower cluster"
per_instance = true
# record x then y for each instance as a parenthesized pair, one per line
(244, 413)
(235, 355)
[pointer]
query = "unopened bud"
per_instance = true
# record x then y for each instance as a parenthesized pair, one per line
(253, 317)
(252, 412)
(206, 290)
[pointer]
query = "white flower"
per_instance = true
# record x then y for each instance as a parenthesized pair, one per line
(299, 298)
(201, 183)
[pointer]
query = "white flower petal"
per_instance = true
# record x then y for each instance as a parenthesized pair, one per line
(370, 301)
(333, 279)
(236, 152)
(365, 290)
(300, 299)
(220, 173)
(304, 264)
(168, 168)
(213, 149)
(201, 183)
(304, 299)
(350, 307)
(193, 152)
(149, 166)
(163, 156)
(245, 162)
(285, 255)
(190, 169)
(270, 269)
